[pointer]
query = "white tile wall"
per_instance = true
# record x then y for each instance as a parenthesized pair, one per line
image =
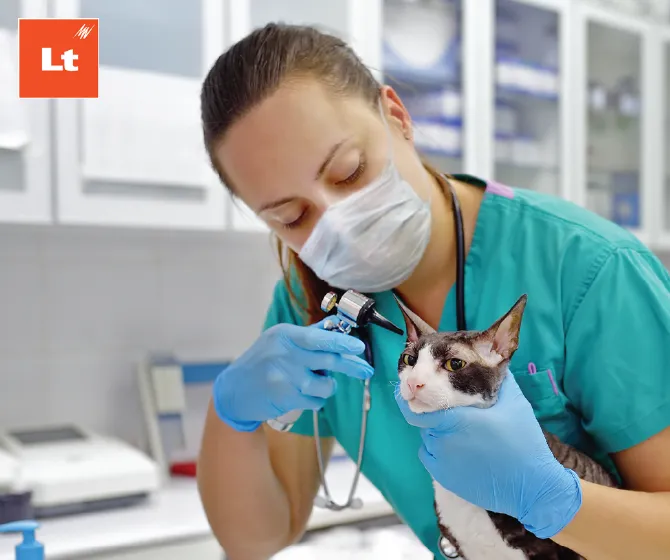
(80, 306)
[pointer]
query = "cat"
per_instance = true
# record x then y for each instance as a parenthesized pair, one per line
(438, 371)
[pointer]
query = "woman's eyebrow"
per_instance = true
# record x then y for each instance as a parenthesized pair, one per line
(329, 157)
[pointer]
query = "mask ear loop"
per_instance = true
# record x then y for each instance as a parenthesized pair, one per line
(389, 139)
(390, 165)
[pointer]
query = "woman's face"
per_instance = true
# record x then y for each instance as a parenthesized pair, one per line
(305, 147)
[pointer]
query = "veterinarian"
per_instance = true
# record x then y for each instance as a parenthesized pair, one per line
(299, 130)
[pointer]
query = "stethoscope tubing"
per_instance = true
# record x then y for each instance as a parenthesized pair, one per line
(326, 501)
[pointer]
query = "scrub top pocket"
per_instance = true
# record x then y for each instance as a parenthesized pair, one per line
(540, 386)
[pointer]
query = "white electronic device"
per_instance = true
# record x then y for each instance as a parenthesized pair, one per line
(72, 470)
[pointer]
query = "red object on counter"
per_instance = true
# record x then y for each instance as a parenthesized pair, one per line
(183, 469)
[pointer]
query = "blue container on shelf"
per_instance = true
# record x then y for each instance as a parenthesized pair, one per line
(30, 548)
(625, 199)
(626, 209)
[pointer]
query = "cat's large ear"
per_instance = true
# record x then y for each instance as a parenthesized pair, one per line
(414, 328)
(410, 328)
(502, 337)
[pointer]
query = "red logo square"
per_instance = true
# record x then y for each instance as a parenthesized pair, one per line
(58, 58)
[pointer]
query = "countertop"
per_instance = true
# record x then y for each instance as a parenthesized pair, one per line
(175, 514)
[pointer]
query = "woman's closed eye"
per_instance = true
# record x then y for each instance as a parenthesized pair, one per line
(297, 221)
(348, 180)
(352, 177)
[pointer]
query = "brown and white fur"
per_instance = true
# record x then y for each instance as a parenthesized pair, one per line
(445, 370)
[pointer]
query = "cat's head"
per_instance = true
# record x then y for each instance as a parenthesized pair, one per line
(445, 370)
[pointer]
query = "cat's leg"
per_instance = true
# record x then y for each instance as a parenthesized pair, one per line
(470, 529)
(515, 533)
(446, 533)
(518, 537)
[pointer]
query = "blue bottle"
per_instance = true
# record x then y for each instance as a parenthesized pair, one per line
(30, 548)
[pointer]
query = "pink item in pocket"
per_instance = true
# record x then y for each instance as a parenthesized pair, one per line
(532, 370)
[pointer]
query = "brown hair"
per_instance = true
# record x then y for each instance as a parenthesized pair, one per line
(249, 72)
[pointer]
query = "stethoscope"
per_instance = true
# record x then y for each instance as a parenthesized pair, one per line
(355, 310)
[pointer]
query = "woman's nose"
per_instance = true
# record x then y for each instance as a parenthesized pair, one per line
(327, 197)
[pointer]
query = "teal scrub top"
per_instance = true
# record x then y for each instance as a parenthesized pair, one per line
(594, 346)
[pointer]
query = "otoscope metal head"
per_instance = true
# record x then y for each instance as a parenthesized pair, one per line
(356, 310)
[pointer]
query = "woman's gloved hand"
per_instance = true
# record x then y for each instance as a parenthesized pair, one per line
(276, 374)
(498, 459)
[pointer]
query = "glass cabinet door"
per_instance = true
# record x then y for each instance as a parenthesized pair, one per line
(151, 63)
(162, 36)
(528, 125)
(330, 17)
(139, 158)
(614, 136)
(422, 61)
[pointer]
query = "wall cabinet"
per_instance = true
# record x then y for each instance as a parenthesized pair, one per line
(25, 188)
(614, 163)
(134, 156)
(531, 117)
(562, 97)
(423, 61)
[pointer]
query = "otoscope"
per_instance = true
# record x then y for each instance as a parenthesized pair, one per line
(354, 310)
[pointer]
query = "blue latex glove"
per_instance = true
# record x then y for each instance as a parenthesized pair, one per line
(276, 374)
(498, 459)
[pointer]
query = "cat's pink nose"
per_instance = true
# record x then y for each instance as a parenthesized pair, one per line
(413, 386)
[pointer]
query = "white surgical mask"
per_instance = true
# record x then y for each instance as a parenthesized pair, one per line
(372, 240)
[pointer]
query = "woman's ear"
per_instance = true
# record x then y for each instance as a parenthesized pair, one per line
(396, 113)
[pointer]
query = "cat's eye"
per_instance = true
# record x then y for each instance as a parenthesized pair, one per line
(409, 360)
(454, 364)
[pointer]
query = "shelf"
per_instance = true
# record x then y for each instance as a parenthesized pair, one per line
(511, 92)
(173, 514)
(530, 167)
